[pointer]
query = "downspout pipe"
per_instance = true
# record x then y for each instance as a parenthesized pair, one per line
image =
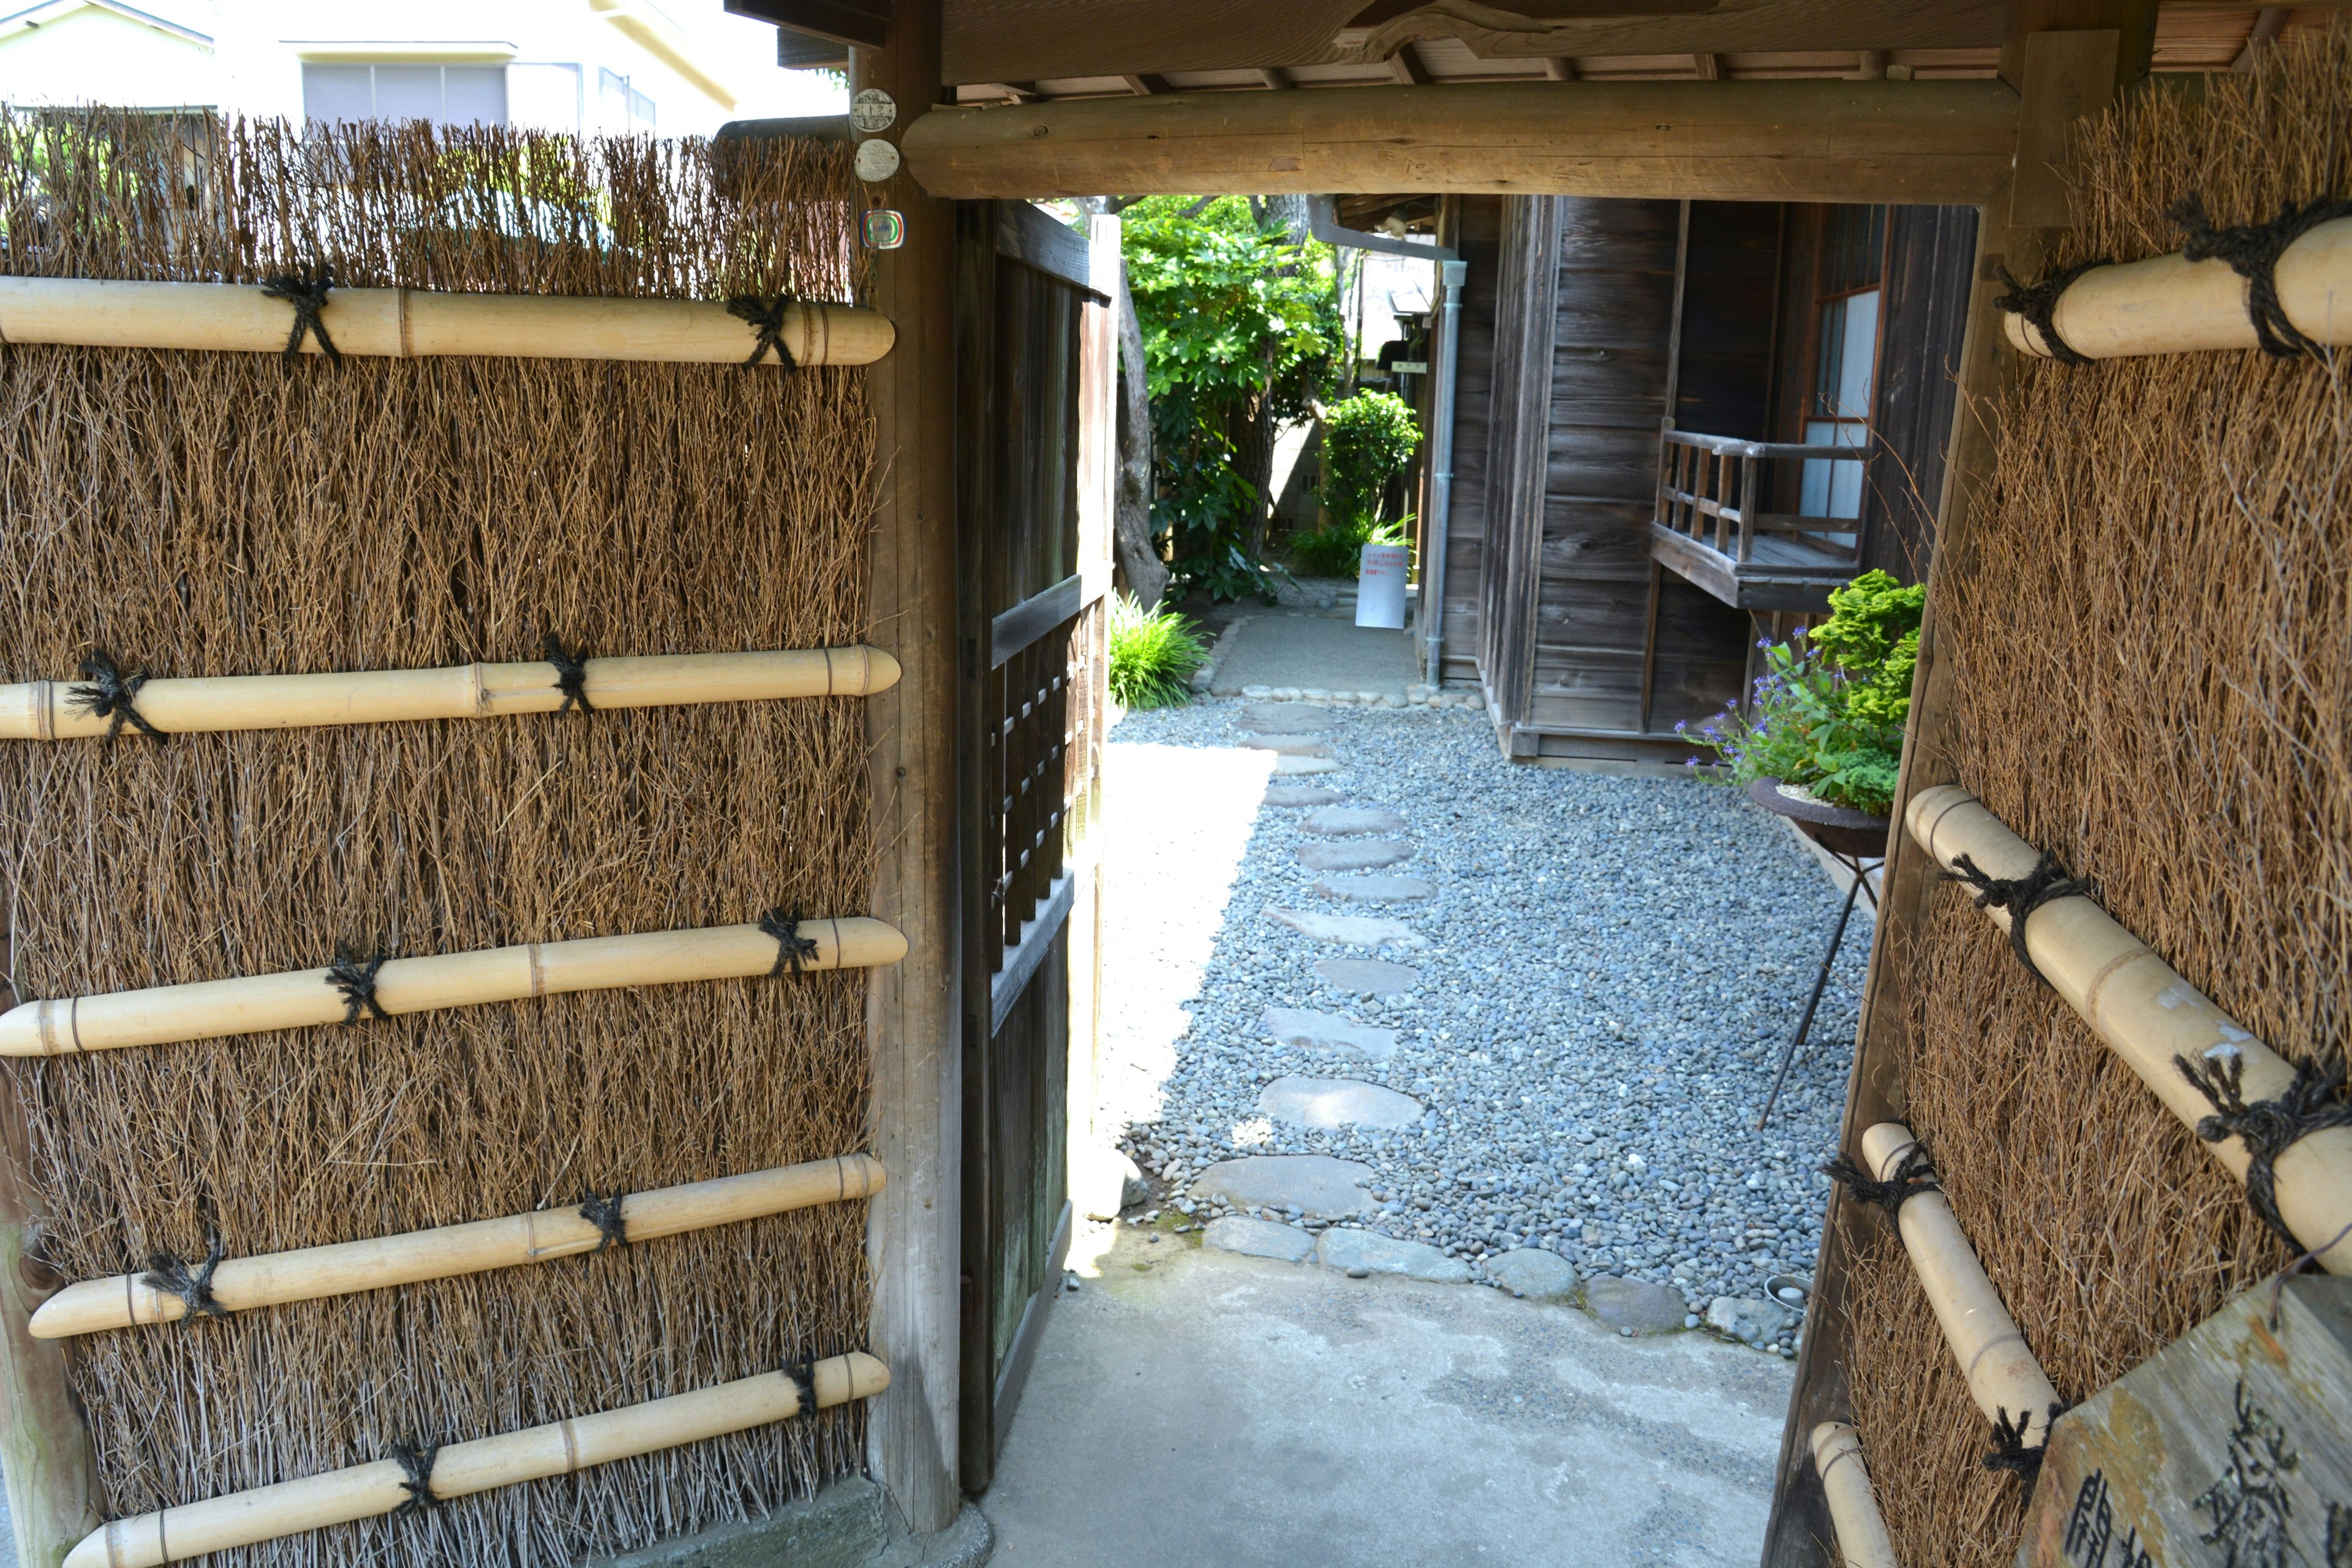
(1452, 274)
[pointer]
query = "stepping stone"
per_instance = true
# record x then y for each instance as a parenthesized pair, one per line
(1352, 822)
(1355, 1249)
(1296, 767)
(1636, 1304)
(1348, 931)
(1258, 1239)
(1301, 795)
(1288, 745)
(1538, 1275)
(1312, 1184)
(1367, 976)
(1749, 1318)
(1284, 719)
(1336, 1102)
(1356, 857)
(1374, 889)
(1304, 1029)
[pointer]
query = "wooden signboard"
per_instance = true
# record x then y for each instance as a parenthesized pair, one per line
(2231, 1448)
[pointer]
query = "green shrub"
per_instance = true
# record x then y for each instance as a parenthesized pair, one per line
(1336, 549)
(1152, 654)
(1367, 441)
(1828, 711)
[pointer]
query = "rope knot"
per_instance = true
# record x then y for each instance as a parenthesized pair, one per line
(307, 291)
(604, 1213)
(1915, 1175)
(2009, 1450)
(801, 1374)
(571, 675)
(767, 319)
(2268, 1128)
(2021, 895)
(167, 1272)
(107, 693)
(2252, 251)
(355, 977)
(2038, 303)
(792, 949)
(416, 1463)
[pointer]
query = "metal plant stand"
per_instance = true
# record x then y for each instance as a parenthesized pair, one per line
(1855, 840)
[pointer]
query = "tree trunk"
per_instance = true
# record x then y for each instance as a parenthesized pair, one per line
(1132, 541)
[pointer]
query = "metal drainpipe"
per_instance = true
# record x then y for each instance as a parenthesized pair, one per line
(1440, 467)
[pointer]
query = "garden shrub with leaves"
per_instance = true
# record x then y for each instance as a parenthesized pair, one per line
(1153, 654)
(1827, 713)
(1336, 549)
(1367, 441)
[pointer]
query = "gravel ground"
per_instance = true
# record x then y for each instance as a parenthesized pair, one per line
(1613, 965)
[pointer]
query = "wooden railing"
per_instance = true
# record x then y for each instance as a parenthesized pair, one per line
(1712, 489)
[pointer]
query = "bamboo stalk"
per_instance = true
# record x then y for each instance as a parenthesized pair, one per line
(460, 1470)
(1861, 1538)
(164, 1014)
(2147, 1013)
(413, 324)
(46, 710)
(2169, 304)
(2003, 1377)
(344, 1268)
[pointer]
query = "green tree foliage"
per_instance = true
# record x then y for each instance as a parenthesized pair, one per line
(1239, 327)
(1367, 441)
(1828, 711)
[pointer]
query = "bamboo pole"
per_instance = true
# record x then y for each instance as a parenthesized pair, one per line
(47, 709)
(461, 1469)
(344, 1268)
(164, 1014)
(2002, 1375)
(413, 324)
(2147, 1013)
(1861, 1538)
(2168, 304)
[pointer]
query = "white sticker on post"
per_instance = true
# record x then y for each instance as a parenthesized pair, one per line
(876, 161)
(873, 109)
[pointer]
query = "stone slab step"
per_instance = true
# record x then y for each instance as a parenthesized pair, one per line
(1636, 1304)
(1298, 767)
(1288, 745)
(1259, 1238)
(1312, 1184)
(1348, 931)
(1532, 1273)
(1305, 1029)
(1352, 822)
(1285, 719)
(1367, 976)
(1355, 1250)
(1361, 855)
(1292, 796)
(1333, 1102)
(1374, 889)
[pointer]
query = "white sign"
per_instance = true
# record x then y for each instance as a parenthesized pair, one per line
(876, 161)
(1380, 585)
(873, 109)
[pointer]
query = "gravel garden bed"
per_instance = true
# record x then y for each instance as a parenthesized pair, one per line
(1612, 968)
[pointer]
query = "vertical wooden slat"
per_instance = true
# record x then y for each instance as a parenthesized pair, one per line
(913, 1237)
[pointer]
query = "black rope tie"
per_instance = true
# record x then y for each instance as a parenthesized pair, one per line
(355, 977)
(2038, 303)
(792, 949)
(307, 291)
(767, 319)
(107, 693)
(166, 1272)
(2021, 895)
(604, 1213)
(2252, 251)
(2009, 1450)
(2268, 1128)
(803, 1376)
(1915, 1175)
(417, 1462)
(571, 675)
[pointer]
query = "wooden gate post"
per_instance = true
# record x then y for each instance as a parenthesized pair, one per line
(914, 1239)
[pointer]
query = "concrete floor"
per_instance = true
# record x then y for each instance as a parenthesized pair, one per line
(1309, 648)
(1194, 1409)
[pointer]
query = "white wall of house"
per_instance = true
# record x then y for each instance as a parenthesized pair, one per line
(670, 68)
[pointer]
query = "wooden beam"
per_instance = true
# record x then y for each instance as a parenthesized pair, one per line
(2068, 76)
(1707, 67)
(1274, 76)
(1749, 140)
(1559, 68)
(2269, 23)
(914, 1237)
(849, 22)
(1871, 66)
(1146, 85)
(1406, 68)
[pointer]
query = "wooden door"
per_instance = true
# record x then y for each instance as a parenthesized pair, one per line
(1034, 388)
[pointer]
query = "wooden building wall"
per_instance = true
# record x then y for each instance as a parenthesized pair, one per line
(1474, 227)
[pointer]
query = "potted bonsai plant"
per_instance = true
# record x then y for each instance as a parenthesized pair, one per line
(1822, 738)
